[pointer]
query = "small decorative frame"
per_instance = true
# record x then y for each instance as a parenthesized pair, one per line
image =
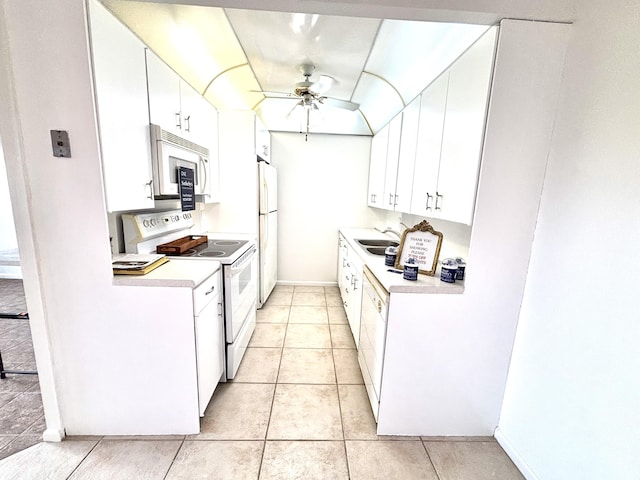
(422, 243)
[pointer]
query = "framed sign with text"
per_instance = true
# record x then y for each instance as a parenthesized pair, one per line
(422, 243)
(185, 187)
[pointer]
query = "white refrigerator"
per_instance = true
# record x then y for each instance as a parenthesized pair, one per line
(268, 216)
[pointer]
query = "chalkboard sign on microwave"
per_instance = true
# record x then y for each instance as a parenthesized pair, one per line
(422, 243)
(186, 182)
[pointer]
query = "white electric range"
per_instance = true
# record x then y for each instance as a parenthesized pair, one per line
(237, 253)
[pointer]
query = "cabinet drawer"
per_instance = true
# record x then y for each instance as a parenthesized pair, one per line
(206, 291)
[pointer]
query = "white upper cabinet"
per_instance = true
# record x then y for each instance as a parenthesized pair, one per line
(122, 109)
(176, 106)
(425, 181)
(435, 144)
(464, 124)
(407, 157)
(377, 166)
(391, 169)
(164, 94)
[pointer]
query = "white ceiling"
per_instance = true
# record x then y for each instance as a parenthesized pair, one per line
(230, 55)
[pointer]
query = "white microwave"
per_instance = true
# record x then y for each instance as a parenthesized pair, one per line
(170, 152)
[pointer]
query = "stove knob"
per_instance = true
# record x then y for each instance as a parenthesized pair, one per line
(152, 222)
(145, 223)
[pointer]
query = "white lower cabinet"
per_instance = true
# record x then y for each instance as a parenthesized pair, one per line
(209, 321)
(350, 271)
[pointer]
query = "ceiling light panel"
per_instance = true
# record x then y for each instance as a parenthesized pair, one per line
(410, 54)
(197, 42)
(276, 43)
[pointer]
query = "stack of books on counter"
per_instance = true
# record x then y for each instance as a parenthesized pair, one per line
(137, 264)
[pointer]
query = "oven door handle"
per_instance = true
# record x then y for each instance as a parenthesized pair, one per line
(244, 260)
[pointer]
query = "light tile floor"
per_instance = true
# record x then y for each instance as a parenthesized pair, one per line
(21, 413)
(297, 409)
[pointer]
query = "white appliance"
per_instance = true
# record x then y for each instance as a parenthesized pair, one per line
(268, 219)
(169, 152)
(238, 255)
(373, 331)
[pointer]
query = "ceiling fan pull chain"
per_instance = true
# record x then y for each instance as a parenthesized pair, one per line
(306, 135)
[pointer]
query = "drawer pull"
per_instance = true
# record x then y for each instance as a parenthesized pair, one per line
(211, 290)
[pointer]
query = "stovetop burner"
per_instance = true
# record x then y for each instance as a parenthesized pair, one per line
(218, 249)
(226, 242)
(212, 253)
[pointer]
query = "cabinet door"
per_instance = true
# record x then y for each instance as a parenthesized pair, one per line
(407, 157)
(342, 258)
(377, 166)
(467, 98)
(425, 178)
(164, 94)
(393, 154)
(355, 300)
(196, 115)
(209, 350)
(123, 115)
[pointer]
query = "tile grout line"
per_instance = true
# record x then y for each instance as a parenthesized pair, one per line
(275, 386)
(335, 372)
(429, 457)
(174, 457)
(84, 458)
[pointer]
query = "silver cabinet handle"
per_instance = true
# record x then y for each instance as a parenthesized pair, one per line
(178, 121)
(438, 196)
(210, 290)
(355, 283)
(187, 120)
(150, 185)
(395, 200)
(391, 199)
(429, 197)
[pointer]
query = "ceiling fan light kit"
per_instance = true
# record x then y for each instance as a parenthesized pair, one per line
(310, 95)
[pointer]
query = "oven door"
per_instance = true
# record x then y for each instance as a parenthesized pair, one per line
(240, 291)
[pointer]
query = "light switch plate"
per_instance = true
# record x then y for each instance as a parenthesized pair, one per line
(60, 143)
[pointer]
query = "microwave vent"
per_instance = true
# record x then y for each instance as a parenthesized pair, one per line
(183, 142)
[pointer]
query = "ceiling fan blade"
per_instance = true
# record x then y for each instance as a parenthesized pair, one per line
(300, 103)
(323, 84)
(336, 102)
(274, 94)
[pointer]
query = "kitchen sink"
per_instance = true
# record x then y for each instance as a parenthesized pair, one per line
(378, 243)
(377, 250)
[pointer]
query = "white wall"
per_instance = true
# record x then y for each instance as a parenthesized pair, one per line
(8, 238)
(322, 186)
(573, 393)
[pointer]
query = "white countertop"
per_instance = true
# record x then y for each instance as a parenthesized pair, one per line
(174, 273)
(393, 282)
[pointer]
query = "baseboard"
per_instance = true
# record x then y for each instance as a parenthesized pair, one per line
(524, 468)
(53, 435)
(306, 284)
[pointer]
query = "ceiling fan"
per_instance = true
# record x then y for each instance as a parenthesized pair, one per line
(311, 94)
